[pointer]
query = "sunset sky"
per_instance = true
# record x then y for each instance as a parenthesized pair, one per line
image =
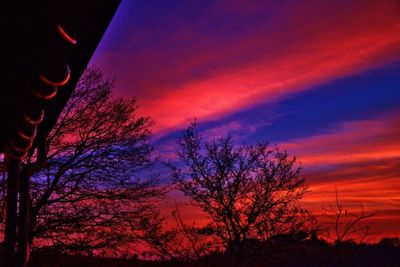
(319, 78)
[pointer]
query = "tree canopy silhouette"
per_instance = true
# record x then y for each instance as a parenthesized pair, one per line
(87, 193)
(249, 191)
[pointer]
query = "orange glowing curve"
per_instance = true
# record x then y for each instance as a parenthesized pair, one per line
(65, 35)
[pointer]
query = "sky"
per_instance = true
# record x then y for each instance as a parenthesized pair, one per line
(320, 79)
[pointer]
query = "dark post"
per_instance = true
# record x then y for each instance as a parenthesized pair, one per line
(24, 217)
(11, 213)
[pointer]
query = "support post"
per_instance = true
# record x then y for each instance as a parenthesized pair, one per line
(23, 252)
(10, 237)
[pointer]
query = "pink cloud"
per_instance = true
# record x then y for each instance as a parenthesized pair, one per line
(362, 160)
(215, 74)
(195, 70)
(351, 142)
(359, 158)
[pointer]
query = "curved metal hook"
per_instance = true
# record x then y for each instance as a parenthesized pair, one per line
(25, 136)
(52, 94)
(32, 121)
(57, 84)
(65, 35)
(20, 149)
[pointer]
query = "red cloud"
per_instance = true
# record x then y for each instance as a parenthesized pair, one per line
(360, 158)
(190, 73)
(196, 70)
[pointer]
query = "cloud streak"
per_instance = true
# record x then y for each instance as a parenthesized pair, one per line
(207, 76)
(215, 59)
(362, 160)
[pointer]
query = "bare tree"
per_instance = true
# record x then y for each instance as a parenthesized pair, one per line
(249, 191)
(182, 242)
(87, 190)
(347, 225)
(349, 228)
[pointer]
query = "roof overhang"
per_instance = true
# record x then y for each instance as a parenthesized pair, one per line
(45, 47)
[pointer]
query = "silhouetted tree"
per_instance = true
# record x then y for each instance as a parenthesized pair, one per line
(182, 242)
(348, 225)
(349, 228)
(87, 193)
(249, 191)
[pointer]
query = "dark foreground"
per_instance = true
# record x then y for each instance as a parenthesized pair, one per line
(280, 254)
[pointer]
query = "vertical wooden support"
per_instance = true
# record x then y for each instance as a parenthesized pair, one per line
(23, 252)
(10, 237)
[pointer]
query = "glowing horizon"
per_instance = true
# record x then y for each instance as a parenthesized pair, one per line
(320, 79)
